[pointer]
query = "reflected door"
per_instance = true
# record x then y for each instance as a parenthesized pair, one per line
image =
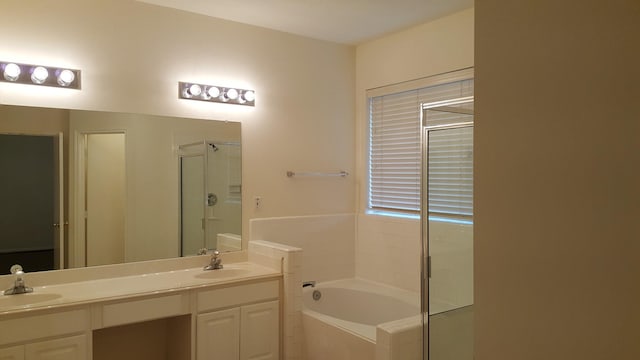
(31, 207)
(447, 221)
(105, 198)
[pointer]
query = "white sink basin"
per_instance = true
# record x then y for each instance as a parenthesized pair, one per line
(221, 273)
(26, 299)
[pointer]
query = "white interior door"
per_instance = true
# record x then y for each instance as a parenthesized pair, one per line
(105, 198)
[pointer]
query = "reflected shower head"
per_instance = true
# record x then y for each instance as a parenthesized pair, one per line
(213, 147)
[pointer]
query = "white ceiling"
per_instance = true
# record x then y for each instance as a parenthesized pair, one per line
(341, 21)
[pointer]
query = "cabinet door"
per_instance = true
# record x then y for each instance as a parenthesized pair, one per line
(69, 348)
(218, 335)
(12, 353)
(260, 331)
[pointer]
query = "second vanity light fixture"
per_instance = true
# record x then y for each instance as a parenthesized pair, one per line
(214, 93)
(39, 75)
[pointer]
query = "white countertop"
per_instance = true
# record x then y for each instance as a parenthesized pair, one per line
(106, 289)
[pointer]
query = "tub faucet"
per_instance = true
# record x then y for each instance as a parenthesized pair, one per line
(309, 283)
(216, 261)
(18, 286)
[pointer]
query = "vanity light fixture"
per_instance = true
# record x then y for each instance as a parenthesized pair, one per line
(39, 75)
(214, 93)
(11, 72)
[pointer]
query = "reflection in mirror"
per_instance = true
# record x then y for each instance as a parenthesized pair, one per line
(120, 180)
(210, 170)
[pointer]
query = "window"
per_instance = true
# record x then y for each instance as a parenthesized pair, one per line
(394, 144)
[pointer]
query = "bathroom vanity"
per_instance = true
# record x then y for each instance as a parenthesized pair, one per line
(190, 314)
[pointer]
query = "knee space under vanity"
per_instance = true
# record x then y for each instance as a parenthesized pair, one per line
(162, 339)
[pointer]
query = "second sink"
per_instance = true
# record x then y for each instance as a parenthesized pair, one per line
(221, 273)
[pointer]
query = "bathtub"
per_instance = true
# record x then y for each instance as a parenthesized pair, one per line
(344, 321)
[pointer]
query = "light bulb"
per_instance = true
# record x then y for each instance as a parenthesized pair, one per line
(232, 94)
(249, 95)
(213, 92)
(39, 75)
(11, 72)
(194, 90)
(66, 77)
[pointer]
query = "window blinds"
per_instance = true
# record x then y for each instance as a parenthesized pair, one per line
(394, 144)
(451, 171)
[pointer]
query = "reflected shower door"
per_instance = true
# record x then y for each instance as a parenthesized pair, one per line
(448, 228)
(192, 204)
(224, 195)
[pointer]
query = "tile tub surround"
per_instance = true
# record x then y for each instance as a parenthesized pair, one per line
(316, 247)
(327, 242)
(398, 242)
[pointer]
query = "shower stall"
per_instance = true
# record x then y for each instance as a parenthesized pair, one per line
(210, 196)
(447, 229)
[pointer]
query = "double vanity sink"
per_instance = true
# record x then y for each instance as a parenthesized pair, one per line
(183, 311)
(126, 286)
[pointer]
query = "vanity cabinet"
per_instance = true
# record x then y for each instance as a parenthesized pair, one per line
(47, 336)
(259, 331)
(231, 319)
(219, 335)
(68, 348)
(12, 353)
(246, 332)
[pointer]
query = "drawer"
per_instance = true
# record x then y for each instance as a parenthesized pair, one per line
(129, 312)
(28, 328)
(238, 295)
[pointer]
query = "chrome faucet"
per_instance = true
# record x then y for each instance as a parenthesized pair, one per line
(216, 261)
(309, 283)
(18, 286)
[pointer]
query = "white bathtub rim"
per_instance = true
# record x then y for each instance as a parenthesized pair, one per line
(366, 332)
(356, 283)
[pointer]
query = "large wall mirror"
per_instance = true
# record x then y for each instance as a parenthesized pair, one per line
(83, 188)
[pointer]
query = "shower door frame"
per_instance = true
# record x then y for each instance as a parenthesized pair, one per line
(425, 263)
(205, 157)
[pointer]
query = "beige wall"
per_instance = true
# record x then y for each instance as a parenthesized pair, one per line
(429, 49)
(557, 141)
(132, 55)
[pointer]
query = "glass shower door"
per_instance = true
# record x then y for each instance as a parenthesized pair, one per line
(447, 223)
(191, 204)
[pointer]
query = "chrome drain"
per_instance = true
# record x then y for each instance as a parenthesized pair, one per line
(316, 295)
